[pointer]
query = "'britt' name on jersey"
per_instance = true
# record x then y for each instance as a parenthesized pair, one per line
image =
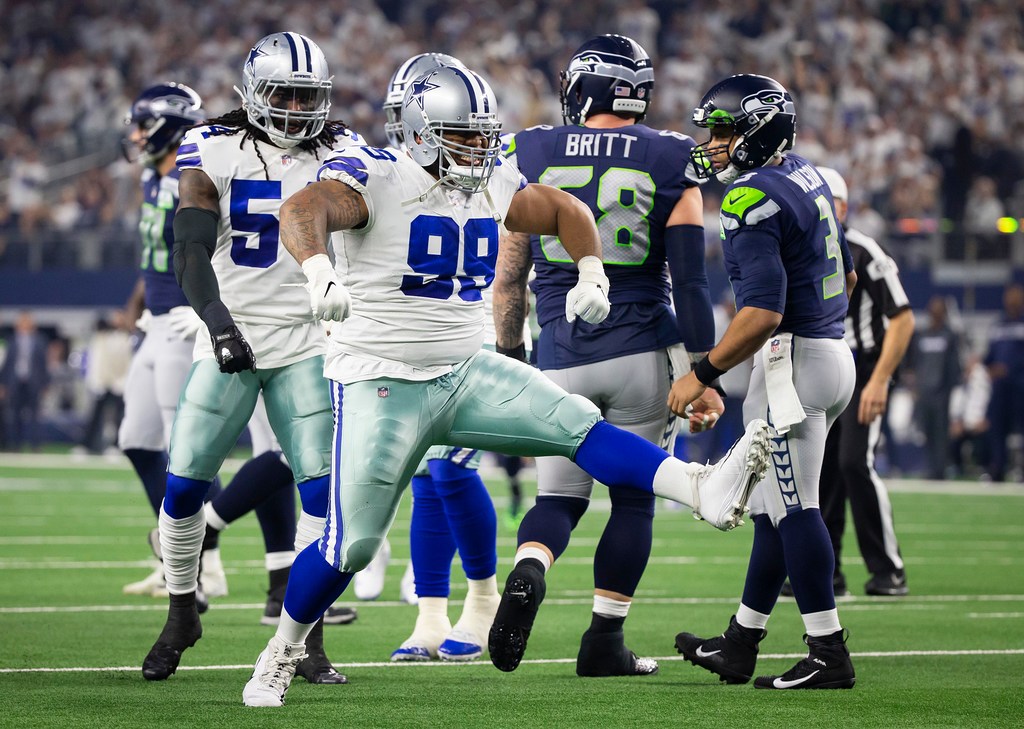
(592, 145)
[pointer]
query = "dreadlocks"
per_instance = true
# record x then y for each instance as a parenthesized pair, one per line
(237, 121)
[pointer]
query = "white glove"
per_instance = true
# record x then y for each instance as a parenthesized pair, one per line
(144, 320)
(329, 300)
(588, 299)
(184, 321)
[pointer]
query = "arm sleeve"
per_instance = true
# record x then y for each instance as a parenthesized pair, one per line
(695, 319)
(762, 280)
(195, 239)
(847, 255)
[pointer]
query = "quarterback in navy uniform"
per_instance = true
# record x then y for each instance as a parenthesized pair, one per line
(791, 272)
(650, 220)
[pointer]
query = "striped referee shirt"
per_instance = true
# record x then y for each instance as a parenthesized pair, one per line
(877, 297)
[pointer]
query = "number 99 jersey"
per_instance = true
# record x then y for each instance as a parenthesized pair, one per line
(416, 269)
(631, 178)
(260, 282)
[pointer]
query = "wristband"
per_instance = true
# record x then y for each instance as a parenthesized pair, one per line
(706, 373)
(516, 353)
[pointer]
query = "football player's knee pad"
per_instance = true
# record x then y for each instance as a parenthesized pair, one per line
(632, 500)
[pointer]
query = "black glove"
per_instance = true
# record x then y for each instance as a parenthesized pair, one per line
(233, 353)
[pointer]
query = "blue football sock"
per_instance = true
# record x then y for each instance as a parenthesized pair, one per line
(470, 514)
(625, 546)
(184, 496)
(766, 570)
(314, 495)
(616, 457)
(313, 585)
(810, 561)
(255, 481)
(430, 540)
(550, 522)
(151, 466)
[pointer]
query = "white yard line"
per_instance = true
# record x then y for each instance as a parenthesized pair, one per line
(539, 661)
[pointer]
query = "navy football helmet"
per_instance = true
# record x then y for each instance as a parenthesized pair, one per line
(609, 73)
(159, 118)
(760, 116)
(404, 74)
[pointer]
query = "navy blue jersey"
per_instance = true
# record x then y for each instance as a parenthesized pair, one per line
(159, 201)
(631, 178)
(784, 250)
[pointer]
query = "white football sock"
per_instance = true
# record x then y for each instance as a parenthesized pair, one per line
(674, 480)
(308, 530)
(823, 623)
(181, 541)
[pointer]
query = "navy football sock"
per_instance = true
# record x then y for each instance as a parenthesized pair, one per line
(151, 466)
(276, 516)
(255, 481)
(430, 540)
(470, 514)
(625, 546)
(551, 521)
(809, 560)
(766, 570)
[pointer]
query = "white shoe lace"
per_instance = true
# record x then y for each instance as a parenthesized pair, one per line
(280, 668)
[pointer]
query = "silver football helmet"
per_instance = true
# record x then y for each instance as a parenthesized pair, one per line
(286, 88)
(453, 101)
(409, 70)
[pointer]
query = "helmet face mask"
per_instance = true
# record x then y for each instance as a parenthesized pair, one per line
(286, 88)
(158, 119)
(758, 116)
(403, 75)
(609, 73)
(449, 121)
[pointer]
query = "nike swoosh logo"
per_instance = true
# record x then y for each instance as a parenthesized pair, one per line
(782, 683)
(701, 653)
(328, 289)
(734, 200)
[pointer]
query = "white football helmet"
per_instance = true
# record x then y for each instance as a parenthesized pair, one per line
(409, 70)
(286, 88)
(452, 100)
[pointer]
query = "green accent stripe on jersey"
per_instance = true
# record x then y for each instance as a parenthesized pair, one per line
(739, 200)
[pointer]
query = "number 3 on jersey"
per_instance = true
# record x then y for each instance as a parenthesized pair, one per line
(264, 225)
(435, 244)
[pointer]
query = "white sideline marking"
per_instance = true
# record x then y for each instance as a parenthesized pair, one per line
(919, 602)
(539, 661)
(995, 615)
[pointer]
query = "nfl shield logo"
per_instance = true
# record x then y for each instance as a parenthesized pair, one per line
(383, 391)
(286, 159)
(776, 343)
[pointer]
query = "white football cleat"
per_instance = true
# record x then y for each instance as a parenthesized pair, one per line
(461, 645)
(152, 585)
(215, 582)
(407, 588)
(721, 491)
(273, 674)
(368, 583)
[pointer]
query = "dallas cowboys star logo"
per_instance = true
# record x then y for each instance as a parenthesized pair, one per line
(419, 88)
(255, 53)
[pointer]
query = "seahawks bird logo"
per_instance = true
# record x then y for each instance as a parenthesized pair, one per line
(766, 100)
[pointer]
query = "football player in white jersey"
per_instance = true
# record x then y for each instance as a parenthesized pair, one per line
(258, 334)
(419, 242)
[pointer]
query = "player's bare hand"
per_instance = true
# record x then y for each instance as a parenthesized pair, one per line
(705, 411)
(684, 391)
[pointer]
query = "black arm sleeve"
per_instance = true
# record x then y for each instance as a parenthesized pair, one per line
(195, 238)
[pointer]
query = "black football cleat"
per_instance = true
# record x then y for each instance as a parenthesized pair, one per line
(182, 629)
(887, 584)
(606, 654)
(340, 615)
(523, 594)
(732, 655)
(316, 667)
(827, 666)
(839, 588)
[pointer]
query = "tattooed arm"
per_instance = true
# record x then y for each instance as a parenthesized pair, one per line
(309, 217)
(510, 300)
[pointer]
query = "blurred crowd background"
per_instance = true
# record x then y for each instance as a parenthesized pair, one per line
(918, 103)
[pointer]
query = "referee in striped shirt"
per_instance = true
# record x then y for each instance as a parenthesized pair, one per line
(879, 326)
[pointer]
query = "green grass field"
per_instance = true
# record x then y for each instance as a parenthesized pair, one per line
(72, 533)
